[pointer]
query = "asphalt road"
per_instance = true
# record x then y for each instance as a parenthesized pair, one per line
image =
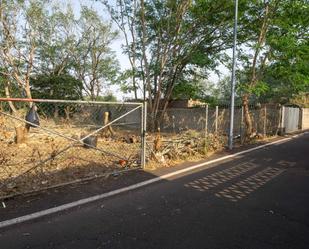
(260, 200)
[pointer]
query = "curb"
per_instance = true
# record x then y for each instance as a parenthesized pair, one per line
(70, 205)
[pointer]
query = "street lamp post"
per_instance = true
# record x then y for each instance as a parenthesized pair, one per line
(230, 142)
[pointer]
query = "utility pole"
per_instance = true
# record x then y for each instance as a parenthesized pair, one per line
(232, 107)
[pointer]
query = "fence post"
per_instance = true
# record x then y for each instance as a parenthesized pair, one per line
(216, 119)
(302, 119)
(265, 121)
(241, 123)
(281, 130)
(206, 120)
(206, 127)
(144, 129)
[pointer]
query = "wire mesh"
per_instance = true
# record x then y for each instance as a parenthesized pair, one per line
(197, 131)
(73, 140)
(177, 120)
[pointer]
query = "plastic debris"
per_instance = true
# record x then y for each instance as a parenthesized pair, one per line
(90, 142)
(33, 117)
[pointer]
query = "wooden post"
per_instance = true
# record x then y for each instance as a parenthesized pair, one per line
(21, 134)
(105, 122)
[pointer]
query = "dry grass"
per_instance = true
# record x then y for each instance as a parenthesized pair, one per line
(23, 167)
(187, 146)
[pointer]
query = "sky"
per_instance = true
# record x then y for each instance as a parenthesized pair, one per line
(116, 46)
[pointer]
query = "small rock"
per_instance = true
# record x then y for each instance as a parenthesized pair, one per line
(11, 185)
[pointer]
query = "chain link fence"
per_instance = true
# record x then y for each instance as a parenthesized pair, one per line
(50, 142)
(265, 119)
(194, 132)
(47, 143)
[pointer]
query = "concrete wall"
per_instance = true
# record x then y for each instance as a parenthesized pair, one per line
(305, 119)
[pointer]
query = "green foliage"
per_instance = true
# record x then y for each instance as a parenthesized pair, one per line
(282, 67)
(185, 90)
(302, 99)
(94, 61)
(109, 98)
(56, 87)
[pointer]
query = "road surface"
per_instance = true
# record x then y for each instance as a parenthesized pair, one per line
(259, 200)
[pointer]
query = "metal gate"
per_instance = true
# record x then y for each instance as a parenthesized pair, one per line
(291, 117)
(70, 140)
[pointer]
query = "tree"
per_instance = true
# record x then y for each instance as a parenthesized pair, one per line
(62, 86)
(125, 16)
(6, 89)
(174, 39)
(109, 97)
(57, 42)
(287, 73)
(275, 34)
(95, 64)
(62, 45)
(20, 24)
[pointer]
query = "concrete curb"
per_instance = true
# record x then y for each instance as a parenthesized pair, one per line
(70, 205)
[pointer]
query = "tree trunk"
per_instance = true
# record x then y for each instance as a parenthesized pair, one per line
(109, 128)
(7, 94)
(56, 112)
(21, 134)
(28, 93)
(67, 112)
(134, 79)
(247, 117)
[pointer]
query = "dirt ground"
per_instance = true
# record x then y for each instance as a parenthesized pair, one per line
(47, 159)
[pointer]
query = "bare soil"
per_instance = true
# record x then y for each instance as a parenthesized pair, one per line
(46, 159)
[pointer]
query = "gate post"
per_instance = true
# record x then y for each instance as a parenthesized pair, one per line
(265, 121)
(144, 129)
(216, 119)
(281, 129)
(206, 120)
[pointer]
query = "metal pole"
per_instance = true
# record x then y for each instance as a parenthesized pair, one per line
(216, 119)
(233, 80)
(282, 130)
(81, 141)
(265, 121)
(144, 135)
(144, 141)
(69, 101)
(206, 120)
(206, 128)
